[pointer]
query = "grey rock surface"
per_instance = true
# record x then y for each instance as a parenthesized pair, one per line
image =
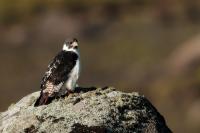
(89, 110)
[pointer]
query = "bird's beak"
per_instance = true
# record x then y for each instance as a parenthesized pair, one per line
(74, 45)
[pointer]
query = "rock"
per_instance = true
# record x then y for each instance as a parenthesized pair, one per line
(89, 110)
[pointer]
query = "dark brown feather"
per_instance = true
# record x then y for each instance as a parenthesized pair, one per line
(44, 99)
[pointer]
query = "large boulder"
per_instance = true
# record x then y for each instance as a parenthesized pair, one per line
(95, 110)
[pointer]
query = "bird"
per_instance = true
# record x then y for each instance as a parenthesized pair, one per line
(62, 74)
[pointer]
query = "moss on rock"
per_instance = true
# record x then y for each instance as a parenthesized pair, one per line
(96, 110)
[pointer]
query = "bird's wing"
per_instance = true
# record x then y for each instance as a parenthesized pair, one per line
(59, 68)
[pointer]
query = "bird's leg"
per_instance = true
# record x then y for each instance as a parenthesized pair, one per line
(69, 92)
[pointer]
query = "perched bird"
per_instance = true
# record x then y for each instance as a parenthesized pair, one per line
(61, 75)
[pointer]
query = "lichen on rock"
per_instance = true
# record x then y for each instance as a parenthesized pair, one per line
(97, 110)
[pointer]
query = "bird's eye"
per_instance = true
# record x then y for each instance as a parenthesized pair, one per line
(76, 47)
(70, 46)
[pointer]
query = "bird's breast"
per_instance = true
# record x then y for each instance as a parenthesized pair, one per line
(73, 76)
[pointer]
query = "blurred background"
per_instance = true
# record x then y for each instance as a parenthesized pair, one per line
(152, 47)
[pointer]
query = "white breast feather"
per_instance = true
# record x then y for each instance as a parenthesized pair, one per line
(73, 76)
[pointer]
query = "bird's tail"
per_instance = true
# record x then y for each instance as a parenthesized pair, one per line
(44, 99)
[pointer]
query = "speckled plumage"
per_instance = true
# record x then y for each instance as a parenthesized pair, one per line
(61, 75)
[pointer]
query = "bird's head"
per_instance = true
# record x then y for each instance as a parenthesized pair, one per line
(71, 45)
